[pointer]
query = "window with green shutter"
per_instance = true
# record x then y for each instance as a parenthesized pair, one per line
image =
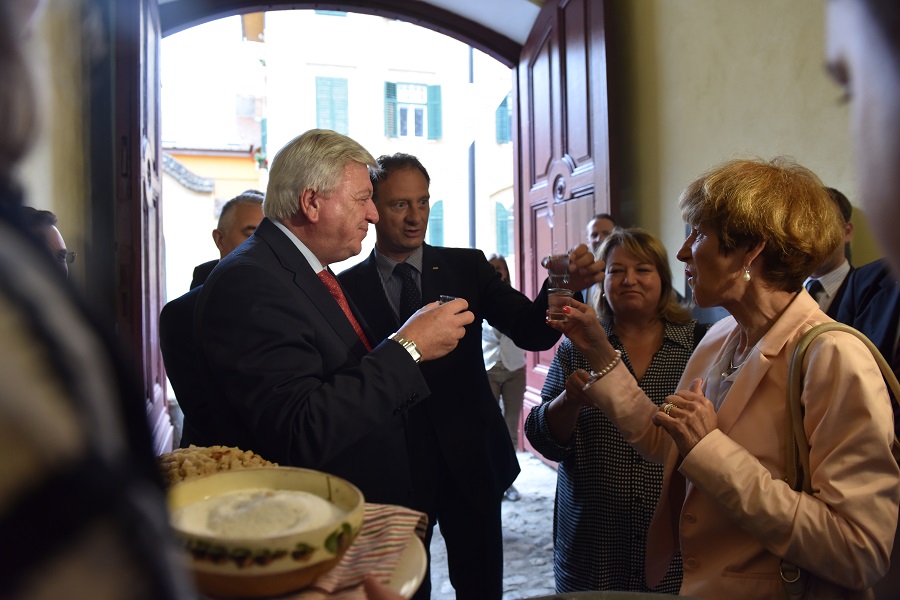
(436, 224)
(390, 109)
(504, 230)
(412, 110)
(434, 112)
(331, 104)
(504, 122)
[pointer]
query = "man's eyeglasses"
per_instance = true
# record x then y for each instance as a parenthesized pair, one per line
(65, 257)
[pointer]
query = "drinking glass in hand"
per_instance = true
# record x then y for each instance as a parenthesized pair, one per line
(557, 300)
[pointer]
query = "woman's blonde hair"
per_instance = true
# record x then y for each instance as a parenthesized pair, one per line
(778, 202)
(646, 248)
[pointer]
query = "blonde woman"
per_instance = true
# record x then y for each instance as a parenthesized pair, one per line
(605, 491)
(758, 229)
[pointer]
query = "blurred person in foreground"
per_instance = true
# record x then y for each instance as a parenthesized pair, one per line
(82, 510)
(606, 493)
(863, 57)
(238, 220)
(757, 230)
(505, 366)
(42, 224)
(298, 376)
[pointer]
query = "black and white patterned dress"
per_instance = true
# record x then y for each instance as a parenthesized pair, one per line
(605, 492)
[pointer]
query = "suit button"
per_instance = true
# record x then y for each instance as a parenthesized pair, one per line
(690, 518)
(691, 563)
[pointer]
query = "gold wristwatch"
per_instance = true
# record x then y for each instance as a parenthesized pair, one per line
(408, 345)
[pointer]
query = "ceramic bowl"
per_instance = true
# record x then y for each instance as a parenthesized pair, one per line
(256, 566)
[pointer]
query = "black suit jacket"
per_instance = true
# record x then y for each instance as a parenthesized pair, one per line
(872, 305)
(187, 373)
(292, 379)
(462, 410)
(201, 272)
(835, 306)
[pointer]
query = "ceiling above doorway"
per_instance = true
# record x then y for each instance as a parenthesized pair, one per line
(497, 27)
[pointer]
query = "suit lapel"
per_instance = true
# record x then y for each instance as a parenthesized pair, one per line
(309, 284)
(772, 344)
(432, 274)
(377, 310)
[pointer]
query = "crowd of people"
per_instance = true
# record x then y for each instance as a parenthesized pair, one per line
(669, 436)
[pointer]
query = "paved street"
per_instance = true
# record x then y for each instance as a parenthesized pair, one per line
(527, 538)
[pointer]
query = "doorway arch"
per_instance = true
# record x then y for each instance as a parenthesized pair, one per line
(178, 15)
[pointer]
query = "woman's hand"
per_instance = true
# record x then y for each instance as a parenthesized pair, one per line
(687, 416)
(582, 327)
(575, 393)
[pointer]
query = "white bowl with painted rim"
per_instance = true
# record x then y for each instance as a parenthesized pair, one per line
(255, 566)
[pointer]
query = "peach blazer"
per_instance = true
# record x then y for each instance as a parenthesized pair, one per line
(739, 516)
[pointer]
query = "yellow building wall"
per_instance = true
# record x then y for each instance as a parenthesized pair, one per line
(233, 174)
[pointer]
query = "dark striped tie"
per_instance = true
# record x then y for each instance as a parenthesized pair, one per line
(410, 296)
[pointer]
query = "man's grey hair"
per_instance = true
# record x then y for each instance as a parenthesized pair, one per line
(315, 161)
(226, 217)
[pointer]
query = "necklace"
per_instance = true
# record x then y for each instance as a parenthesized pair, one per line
(734, 367)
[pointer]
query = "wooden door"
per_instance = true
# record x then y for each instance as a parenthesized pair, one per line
(562, 156)
(138, 225)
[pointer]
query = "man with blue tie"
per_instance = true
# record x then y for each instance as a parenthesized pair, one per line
(828, 283)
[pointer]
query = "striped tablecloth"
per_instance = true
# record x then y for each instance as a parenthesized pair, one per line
(376, 551)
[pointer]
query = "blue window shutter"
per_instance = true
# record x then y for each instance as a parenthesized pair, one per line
(390, 109)
(339, 110)
(504, 123)
(436, 224)
(264, 134)
(331, 104)
(504, 229)
(323, 102)
(434, 112)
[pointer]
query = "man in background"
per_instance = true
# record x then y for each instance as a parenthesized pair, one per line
(238, 220)
(505, 365)
(828, 283)
(42, 224)
(598, 229)
(464, 459)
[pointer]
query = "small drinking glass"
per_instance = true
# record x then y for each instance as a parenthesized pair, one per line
(557, 300)
(557, 269)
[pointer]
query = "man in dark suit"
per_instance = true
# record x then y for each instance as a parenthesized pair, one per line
(238, 220)
(288, 358)
(464, 460)
(872, 305)
(828, 283)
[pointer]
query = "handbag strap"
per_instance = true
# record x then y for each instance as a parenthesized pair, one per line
(797, 472)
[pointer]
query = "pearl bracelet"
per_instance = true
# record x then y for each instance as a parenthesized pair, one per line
(597, 375)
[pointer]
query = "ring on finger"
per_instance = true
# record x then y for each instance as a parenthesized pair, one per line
(668, 406)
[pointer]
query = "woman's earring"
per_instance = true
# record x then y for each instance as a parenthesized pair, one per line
(747, 273)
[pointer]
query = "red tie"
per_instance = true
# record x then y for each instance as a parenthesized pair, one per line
(335, 288)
